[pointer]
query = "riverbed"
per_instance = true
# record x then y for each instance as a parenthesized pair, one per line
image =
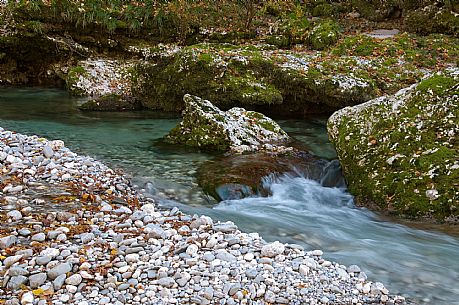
(420, 264)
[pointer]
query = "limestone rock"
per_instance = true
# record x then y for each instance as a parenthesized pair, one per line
(400, 153)
(7, 241)
(60, 269)
(206, 126)
(272, 249)
(37, 280)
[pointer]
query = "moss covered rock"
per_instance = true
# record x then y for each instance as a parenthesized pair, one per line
(201, 70)
(432, 19)
(207, 127)
(400, 154)
(254, 77)
(324, 35)
(290, 29)
(324, 9)
(378, 10)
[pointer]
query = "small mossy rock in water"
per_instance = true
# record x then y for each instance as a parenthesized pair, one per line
(111, 102)
(400, 154)
(239, 176)
(206, 126)
(324, 35)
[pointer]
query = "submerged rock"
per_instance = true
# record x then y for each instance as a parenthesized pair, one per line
(206, 126)
(111, 102)
(239, 176)
(400, 153)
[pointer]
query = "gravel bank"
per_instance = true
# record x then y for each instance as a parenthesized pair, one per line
(104, 243)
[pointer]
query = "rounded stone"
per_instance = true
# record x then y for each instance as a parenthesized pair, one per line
(74, 279)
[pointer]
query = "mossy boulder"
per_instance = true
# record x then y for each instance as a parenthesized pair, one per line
(200, 70)
(290, 29)
(400, 154)
(378, 10)
(324, 35)
(420, 16)
(254, 77)
(207, 127)
(324, 9)
(432, 19)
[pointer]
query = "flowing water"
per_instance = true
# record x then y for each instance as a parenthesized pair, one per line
(421, 264)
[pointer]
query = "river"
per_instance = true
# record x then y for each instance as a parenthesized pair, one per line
(422, 265)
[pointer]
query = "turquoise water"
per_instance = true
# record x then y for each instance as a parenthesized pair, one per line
(420, 264)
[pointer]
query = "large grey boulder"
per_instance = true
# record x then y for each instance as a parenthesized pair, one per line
(400, 153)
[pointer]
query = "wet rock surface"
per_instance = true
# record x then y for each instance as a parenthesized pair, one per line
(239, 176)
(118, 247)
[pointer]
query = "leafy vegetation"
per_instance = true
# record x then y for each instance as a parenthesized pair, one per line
(178, 17)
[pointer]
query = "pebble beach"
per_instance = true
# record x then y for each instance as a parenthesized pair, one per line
(74, 231)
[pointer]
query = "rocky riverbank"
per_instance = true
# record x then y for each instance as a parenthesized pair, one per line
(105, 243)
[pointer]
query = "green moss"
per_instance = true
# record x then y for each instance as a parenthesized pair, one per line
(251, 91)
(34, 26)
(207, 57)
(279, 41)
(438, 84)
(420, 51)
(73, 77)
(259, 120)
(324, 10)
(393, 160)
(324, 35)
(433, 20)
(293, 29)
(360, 45)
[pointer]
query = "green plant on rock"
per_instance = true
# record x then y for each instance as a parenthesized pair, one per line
(277, 7)
(324, 8)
